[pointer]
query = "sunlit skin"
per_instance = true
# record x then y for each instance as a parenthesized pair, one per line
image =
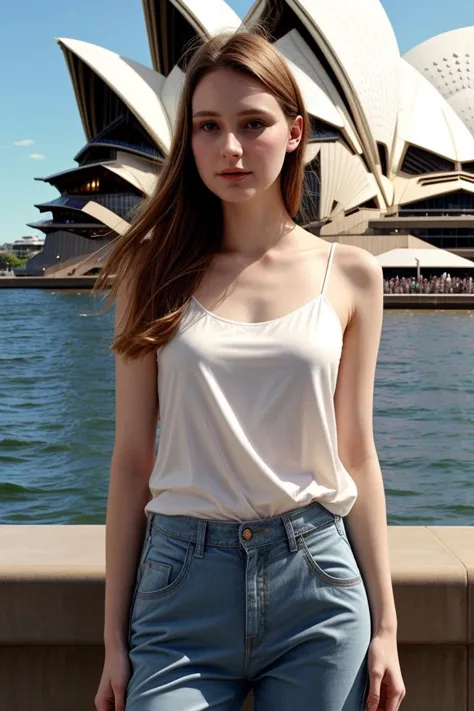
(239, 125)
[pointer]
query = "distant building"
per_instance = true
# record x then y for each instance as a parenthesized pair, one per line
(391, 149)
(27, 246)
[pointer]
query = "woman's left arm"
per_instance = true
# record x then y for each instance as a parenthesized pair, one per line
(366, 523)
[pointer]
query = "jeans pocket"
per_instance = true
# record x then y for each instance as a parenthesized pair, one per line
(330, 557)
(165, 567)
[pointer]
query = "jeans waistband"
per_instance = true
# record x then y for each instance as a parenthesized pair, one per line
(248, 534)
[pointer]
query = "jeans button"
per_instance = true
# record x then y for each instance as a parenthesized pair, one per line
(247, 534)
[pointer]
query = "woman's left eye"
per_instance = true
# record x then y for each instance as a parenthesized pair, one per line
(256, 121)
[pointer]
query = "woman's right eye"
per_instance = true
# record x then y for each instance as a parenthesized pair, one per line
(208, 123)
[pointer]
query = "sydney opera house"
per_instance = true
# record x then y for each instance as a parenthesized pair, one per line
(390, 163)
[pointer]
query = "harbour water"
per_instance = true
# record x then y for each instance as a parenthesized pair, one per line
(57, 411)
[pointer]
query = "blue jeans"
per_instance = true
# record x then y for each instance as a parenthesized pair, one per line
(276, 605)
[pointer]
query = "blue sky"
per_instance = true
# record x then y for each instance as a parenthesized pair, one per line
(37, 105)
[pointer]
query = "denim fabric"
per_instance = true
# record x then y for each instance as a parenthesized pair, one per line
(220, 607)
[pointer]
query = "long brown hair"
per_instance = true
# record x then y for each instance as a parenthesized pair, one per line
(163, 255)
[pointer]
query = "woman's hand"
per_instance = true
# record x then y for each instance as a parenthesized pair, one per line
(113, 684)
(387, 689)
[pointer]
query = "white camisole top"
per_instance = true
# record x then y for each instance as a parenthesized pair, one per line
(248, 427)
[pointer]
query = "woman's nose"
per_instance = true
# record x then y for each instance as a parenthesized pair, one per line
(231, 146)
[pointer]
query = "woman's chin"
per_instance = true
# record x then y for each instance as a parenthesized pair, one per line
(236, 197)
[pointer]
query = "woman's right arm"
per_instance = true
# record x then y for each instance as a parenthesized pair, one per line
(133, 458)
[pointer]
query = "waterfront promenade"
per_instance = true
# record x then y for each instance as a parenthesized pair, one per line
(51, 603)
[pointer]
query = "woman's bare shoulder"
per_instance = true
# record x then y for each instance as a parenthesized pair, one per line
(357, 263)
(362, 275)
(355, 272)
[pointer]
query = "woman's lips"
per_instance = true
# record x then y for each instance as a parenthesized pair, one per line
(233, 177)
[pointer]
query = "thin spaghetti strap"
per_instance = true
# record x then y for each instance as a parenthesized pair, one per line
(328, 267)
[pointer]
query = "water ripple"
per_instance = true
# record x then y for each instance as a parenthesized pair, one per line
(57, 411)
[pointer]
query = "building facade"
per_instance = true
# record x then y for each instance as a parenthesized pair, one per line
(391, 150)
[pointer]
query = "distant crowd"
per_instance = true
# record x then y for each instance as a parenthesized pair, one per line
(444, 284)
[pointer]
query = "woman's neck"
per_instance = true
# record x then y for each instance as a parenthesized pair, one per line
(255, 226)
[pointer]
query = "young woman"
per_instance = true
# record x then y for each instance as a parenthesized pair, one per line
(255, 344)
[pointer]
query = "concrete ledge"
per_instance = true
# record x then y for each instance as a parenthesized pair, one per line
(459, 541)
(430, 584)
(86, 282)
(51, 616)
(428, 301)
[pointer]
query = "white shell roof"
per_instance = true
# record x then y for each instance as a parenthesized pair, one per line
(351, 34)
(311, 151)
(447, 61)
(206, 18)
(463, 104)
(413, 189)
(355, 33)
(139, 173)
(344, 179)
(170, 92)
(315, 94)
(106, 216)
(320, 97)
(138, 86)
(387, 191)
(426, 120)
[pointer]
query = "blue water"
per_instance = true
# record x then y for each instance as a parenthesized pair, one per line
(57, 411)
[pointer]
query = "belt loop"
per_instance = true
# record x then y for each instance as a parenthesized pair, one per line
(201, 538)
(290, 532)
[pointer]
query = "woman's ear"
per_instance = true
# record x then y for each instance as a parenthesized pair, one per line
(296, 133)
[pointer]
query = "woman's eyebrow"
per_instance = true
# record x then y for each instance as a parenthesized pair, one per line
(245, 112)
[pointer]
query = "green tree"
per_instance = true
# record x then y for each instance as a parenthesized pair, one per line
(9, 261)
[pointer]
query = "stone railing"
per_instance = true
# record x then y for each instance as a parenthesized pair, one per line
(51, 616)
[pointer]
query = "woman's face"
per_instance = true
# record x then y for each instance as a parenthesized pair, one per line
(239, 126)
